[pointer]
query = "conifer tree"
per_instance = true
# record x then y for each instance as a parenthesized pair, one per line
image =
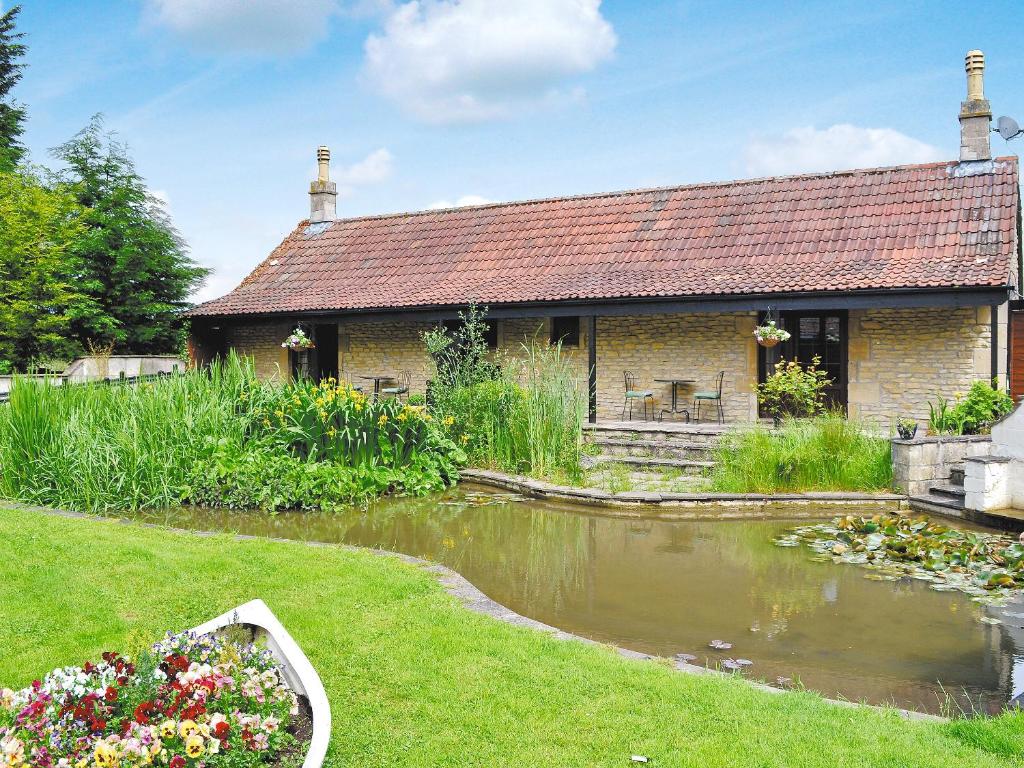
(12, 115)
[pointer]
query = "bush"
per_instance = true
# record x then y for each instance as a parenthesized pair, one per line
(983, 405)
(793, 390)
(218, 437)
(826, 453)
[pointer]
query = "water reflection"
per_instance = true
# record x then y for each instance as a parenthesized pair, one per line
(670, 587)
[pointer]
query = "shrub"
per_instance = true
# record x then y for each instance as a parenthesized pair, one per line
(983, 405)
(794, 390)
(215, 437)
(826, 453)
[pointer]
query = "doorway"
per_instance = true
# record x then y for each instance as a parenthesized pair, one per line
(814, 334)
(321, 362)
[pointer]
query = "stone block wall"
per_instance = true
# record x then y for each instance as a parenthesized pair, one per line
(902, 359)
(261, 340)
(390, 348)
(692, 346)
(920, 463)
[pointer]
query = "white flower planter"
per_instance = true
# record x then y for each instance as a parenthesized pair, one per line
(298, 672)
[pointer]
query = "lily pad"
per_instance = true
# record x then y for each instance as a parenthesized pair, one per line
(686, 658)
(720, 645)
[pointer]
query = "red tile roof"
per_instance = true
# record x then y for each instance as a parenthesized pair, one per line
(941, 225)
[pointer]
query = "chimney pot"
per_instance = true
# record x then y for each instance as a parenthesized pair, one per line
(323, 193)
(975, 112)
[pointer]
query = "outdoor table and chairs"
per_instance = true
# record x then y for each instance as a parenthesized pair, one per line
(376, 378)
(712, 397)
(404, 382)
(676, 384)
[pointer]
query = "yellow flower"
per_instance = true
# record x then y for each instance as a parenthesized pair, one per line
(266, 422)
(194, 746)
(188, 728)
(331, 432)
(167, 729)
(382, 420)
(403, 416)
(449, 420)
(279, 413)
(323, 415)
(105, 755)
(465, 439)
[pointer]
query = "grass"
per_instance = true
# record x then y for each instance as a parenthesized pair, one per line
(414, 678)
(826, 453)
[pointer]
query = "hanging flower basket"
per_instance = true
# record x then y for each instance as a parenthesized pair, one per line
(297, 341)
(769, 334)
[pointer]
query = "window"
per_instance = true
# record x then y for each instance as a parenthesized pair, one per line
(454, 328)
(565, 330)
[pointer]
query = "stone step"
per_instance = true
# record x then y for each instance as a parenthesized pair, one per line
(948, 491)
(668, 449)
(661, 431)
(653, 464)
(937, 505)
(956, 475)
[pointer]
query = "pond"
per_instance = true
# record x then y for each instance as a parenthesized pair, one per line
(666, 588)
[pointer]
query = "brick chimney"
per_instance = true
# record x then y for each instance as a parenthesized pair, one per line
(975, 112)
(323, 193)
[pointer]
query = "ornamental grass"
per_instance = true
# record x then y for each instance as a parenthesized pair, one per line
(824, 453)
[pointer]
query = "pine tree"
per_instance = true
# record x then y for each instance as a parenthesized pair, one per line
(40, 292)
(12, 116)
(135, 264)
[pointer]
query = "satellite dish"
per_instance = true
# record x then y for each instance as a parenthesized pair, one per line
(1008, 128)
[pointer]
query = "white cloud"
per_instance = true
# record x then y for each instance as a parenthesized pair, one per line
(245, 26)
(470, 60)
(372, 169)
(840, 147)
(459, 203)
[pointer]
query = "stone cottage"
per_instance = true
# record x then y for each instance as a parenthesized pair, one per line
(899, 279)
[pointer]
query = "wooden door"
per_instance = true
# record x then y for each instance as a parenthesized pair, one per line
(1017, 352)
(814, 334)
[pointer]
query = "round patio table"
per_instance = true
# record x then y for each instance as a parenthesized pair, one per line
(676, 384)
(377, 378)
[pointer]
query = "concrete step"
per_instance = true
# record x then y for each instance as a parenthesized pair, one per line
(654, 464)
(667, 449)
(948, 491)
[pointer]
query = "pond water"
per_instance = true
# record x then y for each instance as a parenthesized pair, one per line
(672, 587)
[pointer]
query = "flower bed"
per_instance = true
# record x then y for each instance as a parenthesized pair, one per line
(191, 701)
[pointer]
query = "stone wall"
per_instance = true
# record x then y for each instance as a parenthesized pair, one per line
(996, 481)
(902, 359)
(919, 463)
(261, 340)
(693, 346)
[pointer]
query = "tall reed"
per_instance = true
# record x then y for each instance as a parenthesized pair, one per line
(103, 446)
(826, 453)
(526, 420)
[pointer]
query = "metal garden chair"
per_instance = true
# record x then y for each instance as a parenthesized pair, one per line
(632, 393)
(404, 382)
(711, 397)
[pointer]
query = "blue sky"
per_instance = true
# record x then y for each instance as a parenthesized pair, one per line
(432, 103)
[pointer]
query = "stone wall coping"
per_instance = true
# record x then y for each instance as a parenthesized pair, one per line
(989, 459)
(592, 496)
(930, 439)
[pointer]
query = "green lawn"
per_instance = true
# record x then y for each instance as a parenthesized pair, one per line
(416, 679)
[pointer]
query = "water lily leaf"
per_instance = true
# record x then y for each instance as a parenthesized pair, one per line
(731, 664)
(743, 662)
(720, 645)
(686, 658)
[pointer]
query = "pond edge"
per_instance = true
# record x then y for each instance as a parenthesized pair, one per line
(476, 601)
(684, 506)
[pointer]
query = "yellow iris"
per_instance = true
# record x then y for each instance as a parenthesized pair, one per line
(449, 420)
(382, 420)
